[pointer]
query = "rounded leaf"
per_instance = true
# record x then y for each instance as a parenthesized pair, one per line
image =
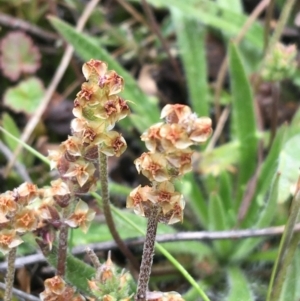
(25, 97)
(18, 55)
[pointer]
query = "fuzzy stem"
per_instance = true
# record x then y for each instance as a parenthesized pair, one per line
(62, 250)
(107, 212)
(148, 252)
(10, 275)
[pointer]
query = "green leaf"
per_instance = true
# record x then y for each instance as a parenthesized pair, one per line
(264, 219)
(18, 55)
(239, 288)
(191, 191)
(290, 289)
(266, 175)
(145, 110)
(289, 162)
(218, 222)
(10, 126)
(212, 14)
(226, 190)
(233, 5)
(25, 97)
(244, 119)
(191, 43)
(220, 159)
(77, 272)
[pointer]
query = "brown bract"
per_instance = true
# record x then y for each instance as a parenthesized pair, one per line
(56, 289)
(25, 220)
(153, 166)
(7, 203)
(8, 240)
(82, 217)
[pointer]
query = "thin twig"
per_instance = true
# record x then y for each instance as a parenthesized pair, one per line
(219, 129)
(276, 95)
(93, 257)
(20, 294)
(107, 212)
(17, 23)
(268, 19)
(136, 15)
(32, 123)
(20, 168)
(156, 30)
(162, 238)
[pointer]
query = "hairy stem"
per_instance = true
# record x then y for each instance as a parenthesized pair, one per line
(62, 250)
(10, 275)
(148, 252)
(107, 212)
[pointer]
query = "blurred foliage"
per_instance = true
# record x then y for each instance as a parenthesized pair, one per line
(244, 180)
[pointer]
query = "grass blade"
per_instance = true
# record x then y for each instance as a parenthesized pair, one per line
(191, 42)
(218, 222)
(213, 14)
(245, 247)
(239, 286)
(243, 118)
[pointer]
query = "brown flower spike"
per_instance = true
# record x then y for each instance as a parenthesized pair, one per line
(169, 158)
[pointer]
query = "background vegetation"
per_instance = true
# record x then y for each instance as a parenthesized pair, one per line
(220, 58)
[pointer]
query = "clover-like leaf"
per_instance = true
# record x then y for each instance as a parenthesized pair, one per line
(25, 97)
(18, 55)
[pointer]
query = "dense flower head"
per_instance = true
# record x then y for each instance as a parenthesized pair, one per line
(181, 130)
(17, 216)
(98, 100)
(170, 202)
(169, 158)
(280, 63)
(56, 289)
(109, 284)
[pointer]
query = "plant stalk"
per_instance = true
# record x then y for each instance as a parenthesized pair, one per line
(287, 260)
(10, 274)
(147, 259)
(285, 242)
(62, 250)
(107, 212)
